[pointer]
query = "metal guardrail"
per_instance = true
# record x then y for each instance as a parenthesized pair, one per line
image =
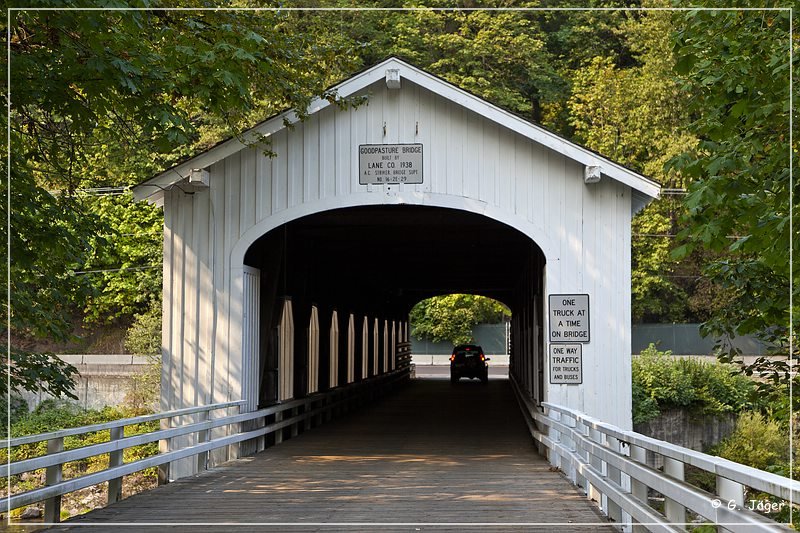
(311, 410)
(610, 465)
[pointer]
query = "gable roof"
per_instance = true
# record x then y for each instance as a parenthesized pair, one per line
(644, 189)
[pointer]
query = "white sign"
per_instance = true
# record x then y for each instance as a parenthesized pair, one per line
(389, 163)
(569, 318)
(566, 364)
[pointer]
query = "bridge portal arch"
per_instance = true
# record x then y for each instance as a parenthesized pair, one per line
(466, 155)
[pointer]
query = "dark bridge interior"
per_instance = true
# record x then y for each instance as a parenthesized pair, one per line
(378, 261)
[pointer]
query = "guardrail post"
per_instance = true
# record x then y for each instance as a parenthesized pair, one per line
(729, 491)
(307, 409)
(294, 425)
(675, 512)
(52, 506)
(615, 476)
(164, 447)
(639, 489)
(279, 431)
(202, 436)
(115, 459)
(580, 480)
(596, 463)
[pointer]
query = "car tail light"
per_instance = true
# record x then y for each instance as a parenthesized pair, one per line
(483, 357)
(452, 358)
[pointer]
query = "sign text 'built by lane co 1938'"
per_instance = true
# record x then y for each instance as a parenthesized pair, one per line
(569, 318)
(566, 364)
(389, 163)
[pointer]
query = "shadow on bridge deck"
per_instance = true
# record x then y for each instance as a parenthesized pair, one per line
(435, 456)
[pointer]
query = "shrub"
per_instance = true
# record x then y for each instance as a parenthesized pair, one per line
(144, 335)
(662, 381)
(757, 442)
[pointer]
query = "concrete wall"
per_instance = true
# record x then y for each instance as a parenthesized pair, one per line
(103, 379)
(678, 426)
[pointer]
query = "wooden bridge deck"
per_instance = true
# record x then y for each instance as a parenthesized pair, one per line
(435, 456)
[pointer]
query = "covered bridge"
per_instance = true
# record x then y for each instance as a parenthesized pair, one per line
(295, 273)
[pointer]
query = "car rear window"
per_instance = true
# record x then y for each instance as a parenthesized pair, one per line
(464, 354)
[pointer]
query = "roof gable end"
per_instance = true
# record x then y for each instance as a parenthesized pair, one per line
(644, 188)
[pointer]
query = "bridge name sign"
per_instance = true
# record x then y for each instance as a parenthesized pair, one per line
(389, 163)
(569, 318)
(566, 364)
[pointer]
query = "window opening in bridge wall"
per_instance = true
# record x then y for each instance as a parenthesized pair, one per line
(251, 323)
(351, 349)
(333, 377)
(286, 351)
(312, 349)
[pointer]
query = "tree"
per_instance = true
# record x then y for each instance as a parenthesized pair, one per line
(91, 88)
(736, 66)
(451, 318)
(636, 116)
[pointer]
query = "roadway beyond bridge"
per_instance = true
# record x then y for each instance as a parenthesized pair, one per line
(434, 456)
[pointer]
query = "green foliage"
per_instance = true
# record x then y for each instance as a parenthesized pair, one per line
(500, 56)
(451, 318)
(736, 66)
(662, 381)
(124, 265)
(144, 338)
(636, 115)
(144, 335)
(757, 442)
(104, 98)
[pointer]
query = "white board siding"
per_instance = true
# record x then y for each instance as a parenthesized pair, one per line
(469, 163)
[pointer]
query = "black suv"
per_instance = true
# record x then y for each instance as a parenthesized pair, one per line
(468, 361)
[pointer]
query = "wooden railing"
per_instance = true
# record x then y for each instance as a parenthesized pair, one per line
(308, 412)
(610, 465)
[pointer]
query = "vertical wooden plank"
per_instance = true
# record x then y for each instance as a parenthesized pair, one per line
(263, 192)
(391, 114)
(179, 298)
(472, 154)
(327, 152)
(247, 199)
(425, 131)
(280, 171)
(218, 265)
(439, 143)
(311, 155)
(345, 150)
(506, 171)
(294, 178)
(539, 176)
(489, 146)
(456, 131)
(167, 322)
(168, 304)
(522, 176)
(205, 288)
